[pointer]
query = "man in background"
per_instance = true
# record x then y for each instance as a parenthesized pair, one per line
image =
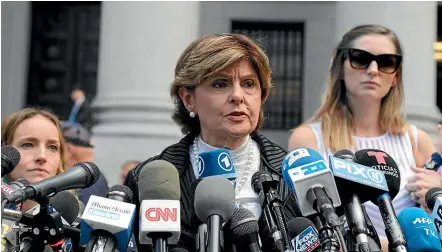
(79, 148)
(81, 111)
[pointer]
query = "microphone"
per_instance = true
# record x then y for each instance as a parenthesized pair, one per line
(159, 194)
(10, 159)
(59, 205)
(352, 204)
(243, 228)
(304, 233)
(307, 175)
(201, 235)
(13, 186)
(419, 230)
(81, 175)
(216, 162)
(214, 203)
(380, 160)
(265, 186)
(433, 198)
(67, 205)
(107, 223)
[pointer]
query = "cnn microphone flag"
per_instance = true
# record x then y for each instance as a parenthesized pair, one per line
(160, 216)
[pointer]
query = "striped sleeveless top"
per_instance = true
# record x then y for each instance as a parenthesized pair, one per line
(399, 148)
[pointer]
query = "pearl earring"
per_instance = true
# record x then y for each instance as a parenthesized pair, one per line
(192, 114)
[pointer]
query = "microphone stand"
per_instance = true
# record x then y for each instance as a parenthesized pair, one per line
(159, 242)
(327, 237)
(273, 204)
(46, 227)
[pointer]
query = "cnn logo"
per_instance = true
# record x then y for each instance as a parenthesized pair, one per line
(164, 214)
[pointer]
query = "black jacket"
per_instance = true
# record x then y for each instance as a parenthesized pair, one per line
(178, 154)
(85, 115)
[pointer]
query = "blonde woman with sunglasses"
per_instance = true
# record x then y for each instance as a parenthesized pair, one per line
(361, 109)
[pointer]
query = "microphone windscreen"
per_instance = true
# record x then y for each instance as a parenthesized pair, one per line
(67, 205)
(297, 225)
(11, 157)
(419, 230)
(258, 178)
(214, 196)
(346, 155)
(193, 188)
(431, 196)
(160, 181)
(382, 161)
(242, 222)
(92, 172)
(121, 193)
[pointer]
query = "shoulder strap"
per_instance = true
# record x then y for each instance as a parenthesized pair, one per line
(412, 132)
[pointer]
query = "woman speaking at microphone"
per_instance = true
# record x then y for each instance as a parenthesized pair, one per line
(37, 136)
(220, 85)
(361, 108)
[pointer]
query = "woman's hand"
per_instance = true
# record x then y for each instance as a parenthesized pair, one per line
(421, 182)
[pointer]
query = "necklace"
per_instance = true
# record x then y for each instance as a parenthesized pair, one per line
(243, 178)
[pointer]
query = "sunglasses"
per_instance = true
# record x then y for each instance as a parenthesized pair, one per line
(360, 59)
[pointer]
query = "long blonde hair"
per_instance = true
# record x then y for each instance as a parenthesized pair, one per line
(334, 114)
(12, 121)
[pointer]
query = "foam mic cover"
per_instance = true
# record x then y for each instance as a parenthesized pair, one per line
(304, 235)
(193, 188)
(382, 161)
(159, 195)
(214, 196)
(419, 230)
(10, 159)
(216, 162)
(243, 229)
(214, 203)
(160, 181)
(66, 204)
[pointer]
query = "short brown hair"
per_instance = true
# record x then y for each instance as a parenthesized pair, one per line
(12, 121)
(208, 55)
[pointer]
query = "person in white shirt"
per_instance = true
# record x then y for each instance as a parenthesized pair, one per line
(361, 109)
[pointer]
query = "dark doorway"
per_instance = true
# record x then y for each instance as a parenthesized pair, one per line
(284, 45)
(64, 53)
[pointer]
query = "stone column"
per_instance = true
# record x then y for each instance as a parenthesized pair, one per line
(415, 23)
(16, 31)
(140, 43)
